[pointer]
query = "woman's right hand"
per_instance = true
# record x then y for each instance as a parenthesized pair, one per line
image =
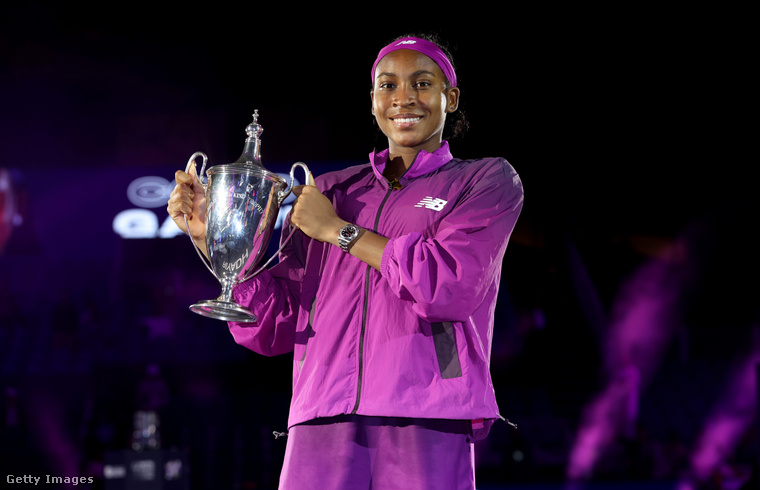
(189, 199)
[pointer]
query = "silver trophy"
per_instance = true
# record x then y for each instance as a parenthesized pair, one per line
(243, 200)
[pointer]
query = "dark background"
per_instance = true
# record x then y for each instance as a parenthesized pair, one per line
(627, 127)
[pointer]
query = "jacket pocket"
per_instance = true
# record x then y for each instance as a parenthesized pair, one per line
(446, 350)
(309, 332)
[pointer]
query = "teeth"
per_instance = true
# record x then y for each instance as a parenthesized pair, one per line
(407, 119)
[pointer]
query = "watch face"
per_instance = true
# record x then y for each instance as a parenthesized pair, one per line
(348, 231)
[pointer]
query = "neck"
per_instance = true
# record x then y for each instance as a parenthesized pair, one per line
(396, 167)
(403, 156)
(407, 154)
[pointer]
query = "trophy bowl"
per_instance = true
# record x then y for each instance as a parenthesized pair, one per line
(243, 201)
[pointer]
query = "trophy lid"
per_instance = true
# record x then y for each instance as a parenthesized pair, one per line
(249, 162)
(252, 150)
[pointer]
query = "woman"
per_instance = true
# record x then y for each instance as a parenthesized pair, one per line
(387, 296)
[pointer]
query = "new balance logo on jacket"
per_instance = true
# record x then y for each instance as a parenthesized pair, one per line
(431, 203)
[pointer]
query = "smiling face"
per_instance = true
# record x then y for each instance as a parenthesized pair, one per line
(410, 100)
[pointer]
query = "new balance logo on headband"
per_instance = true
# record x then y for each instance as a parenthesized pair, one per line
(406, 42)
(431, 203)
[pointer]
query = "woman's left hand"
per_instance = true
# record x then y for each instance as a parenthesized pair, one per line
(313, 214)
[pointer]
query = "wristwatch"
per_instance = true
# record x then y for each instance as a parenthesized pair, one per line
(347, 235)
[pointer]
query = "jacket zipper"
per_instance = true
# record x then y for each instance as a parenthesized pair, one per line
(392, 185)
(364, 308)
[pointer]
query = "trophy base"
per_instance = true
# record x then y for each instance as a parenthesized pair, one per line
(224, 310)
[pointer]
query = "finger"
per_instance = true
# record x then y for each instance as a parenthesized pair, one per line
(176, 211)
(196, 181)
(180, 203)
(183, 178)
(290, 219)
(297, 190)
(182, 193)
(186, 206)
(310, 179)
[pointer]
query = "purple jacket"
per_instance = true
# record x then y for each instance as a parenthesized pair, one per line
(413, 340)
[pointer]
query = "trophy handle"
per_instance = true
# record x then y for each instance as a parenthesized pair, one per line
(281, 198)
(203, 165)
(190, 164)
(289, 189)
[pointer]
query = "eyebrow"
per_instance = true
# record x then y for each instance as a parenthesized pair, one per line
(415, 74)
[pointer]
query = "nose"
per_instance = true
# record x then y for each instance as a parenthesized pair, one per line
(404, 96)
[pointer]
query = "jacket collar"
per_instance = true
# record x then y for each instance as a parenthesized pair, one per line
(423, 164)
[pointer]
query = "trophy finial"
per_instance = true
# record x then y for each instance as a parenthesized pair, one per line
(254, 129)
(252, 150)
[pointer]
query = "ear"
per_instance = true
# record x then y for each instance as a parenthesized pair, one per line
(372, 99)
(453, 99)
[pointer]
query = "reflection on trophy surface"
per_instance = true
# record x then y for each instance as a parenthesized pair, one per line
(242, 203)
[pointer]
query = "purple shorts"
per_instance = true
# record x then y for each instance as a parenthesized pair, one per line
(353, 452)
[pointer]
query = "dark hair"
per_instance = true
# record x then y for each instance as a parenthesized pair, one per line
(456, 122)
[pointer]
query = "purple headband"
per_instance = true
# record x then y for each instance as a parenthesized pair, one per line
(431, 50)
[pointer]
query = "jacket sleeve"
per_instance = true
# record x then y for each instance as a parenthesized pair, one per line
(447, 276)
(273, 296)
